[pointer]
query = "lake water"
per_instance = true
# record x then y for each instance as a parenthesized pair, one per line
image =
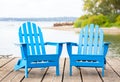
(115, 44)
(9, 37)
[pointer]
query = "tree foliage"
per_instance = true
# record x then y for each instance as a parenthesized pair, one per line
(104, 7)
(105, 13)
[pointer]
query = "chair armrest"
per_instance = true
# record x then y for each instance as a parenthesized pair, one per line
(72, 43)
(107, 43)
(59, 46)
(23, 47)
(69, 47)
(19, 44)
(106, 46)
(54, 43)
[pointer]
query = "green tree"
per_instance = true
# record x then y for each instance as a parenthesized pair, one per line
(102, 12)
(104, 7)
(115, 4)
(90, 6)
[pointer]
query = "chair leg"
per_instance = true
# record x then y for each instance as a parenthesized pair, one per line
(26, 70)
(20, 64)
(57, 71)
(105, 63)
(103, 72)
(70, 70)
(104, 60)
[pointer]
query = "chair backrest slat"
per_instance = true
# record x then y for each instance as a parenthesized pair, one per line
(30, 38)
(36, 39)
(80, 50)
(96, 38)
(91, 40)
(41, 41)
(101, 42)
(85, 40)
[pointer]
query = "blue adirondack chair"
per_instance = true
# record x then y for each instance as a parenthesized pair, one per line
(91, 47)
(33, 49)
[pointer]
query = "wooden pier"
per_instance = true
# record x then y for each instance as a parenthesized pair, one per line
(112, 72)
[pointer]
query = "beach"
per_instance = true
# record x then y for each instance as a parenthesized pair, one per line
(111, 30)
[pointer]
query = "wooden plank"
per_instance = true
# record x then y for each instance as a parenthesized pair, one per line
(7, 74)
(110, 75)
(14, 76)
(115, 64)
(7, 69)
(90, 75)
(11, 77)
(4, 61)
(119, 58)
(51, 74)
(35, 75)
(18, 76)
(75, 74)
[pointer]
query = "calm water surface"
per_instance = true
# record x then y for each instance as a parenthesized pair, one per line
(115, 44)
(9, 37)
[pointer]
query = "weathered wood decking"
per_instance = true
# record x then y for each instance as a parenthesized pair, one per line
(112, 72)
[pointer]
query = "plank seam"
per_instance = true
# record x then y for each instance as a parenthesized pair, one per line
(99, 75)
(6, 75)
(81, 75)
(44, 74)
(63, 70)
(114, 70)
(24, 75)
(13, 77)
(7, 62)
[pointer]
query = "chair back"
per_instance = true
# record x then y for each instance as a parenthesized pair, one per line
(91, 40)
(31, 35)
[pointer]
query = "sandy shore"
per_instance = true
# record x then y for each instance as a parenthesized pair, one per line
(112, 30)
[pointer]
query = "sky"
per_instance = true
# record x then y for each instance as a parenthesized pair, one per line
(41, 8)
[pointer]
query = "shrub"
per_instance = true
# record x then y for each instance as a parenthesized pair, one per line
(118, 18)
(77, 23)
(107, 24)
(101, 20)
(81, 21)
(117, 23)
(98, 19)
(112, 17)
(84, 17)
(84, 23)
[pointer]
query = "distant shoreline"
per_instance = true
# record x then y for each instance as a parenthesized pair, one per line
(44, 19)
(112, 30)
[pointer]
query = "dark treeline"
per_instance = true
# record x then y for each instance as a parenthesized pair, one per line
(49, 19)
